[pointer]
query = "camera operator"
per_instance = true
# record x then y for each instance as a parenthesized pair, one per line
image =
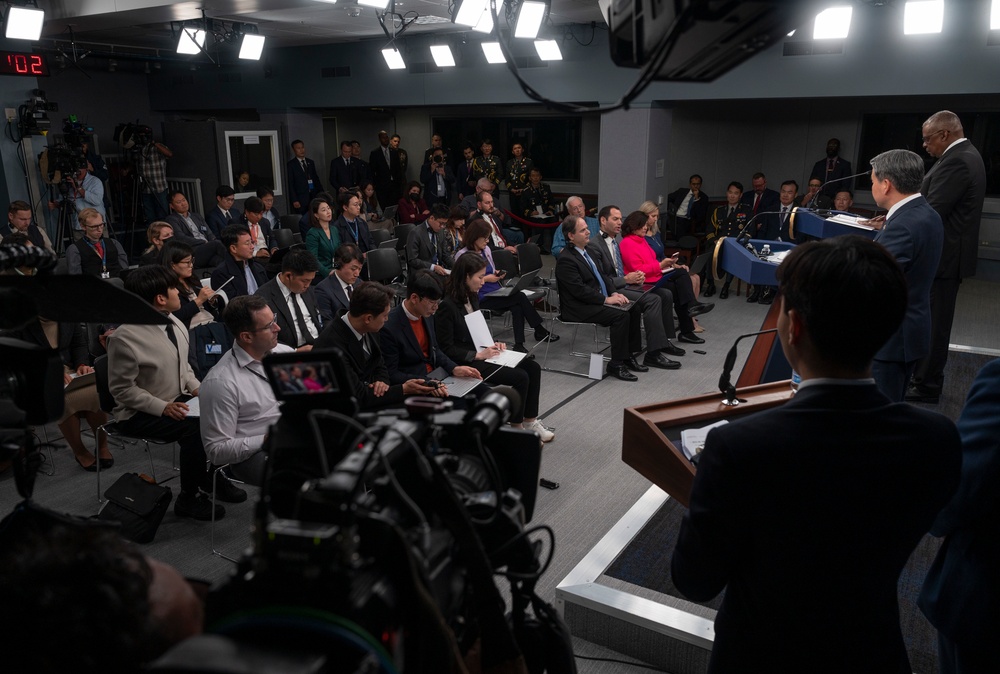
(95, 165)
(152, 165)
(438, 180)
(85, 191)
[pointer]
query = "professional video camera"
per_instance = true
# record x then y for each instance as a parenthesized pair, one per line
(377, 536)
(60, 162)
(133, 136)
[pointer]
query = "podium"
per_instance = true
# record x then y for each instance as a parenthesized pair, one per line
(810, 222)
(651, 433)
(735, 259)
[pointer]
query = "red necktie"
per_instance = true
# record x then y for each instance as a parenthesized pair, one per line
(99, 247)
(496, 230)
(756, 203)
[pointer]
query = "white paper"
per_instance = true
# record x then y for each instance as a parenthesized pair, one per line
(508, 358)
(693, 439)
(596, 366)
(479, 330)
(194, 407)
(850, 221)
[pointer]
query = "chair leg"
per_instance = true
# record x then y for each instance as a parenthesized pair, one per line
(215, 478)
(152, 471)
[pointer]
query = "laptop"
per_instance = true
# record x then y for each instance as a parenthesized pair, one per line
(524, 282)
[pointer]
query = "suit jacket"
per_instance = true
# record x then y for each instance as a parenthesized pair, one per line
(385, 176)
(330, 298)
(217, 222)
(579, 291)
(343, 174)
(420, 254)
(807, 514)
(453, 333)
(841, 170)
(699, 209)
(323, 248)
(409, 212)
(955, 187)
(298, 183)
(362, 369)
(429, 179)
(913, 235)
(601, 256)
(726, 224)
(465, 180)
(346, 231)
(402, 353)
(285, 317)
(183, 233)
(72, 341)
(146, 371)
(498, 217)
(769, 201)
(238, 286)
(961, 595)
(772, 227)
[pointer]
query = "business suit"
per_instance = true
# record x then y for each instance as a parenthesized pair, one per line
(238, 286)
(182, 231)
(217, 219)
(961, 594)
(429, 179)
(465, 180)
(343, 174)
(402, 353)
(955, 187)
(582, 301)
(355, 232)
(385, 175)
(362, 369)
(769, 201)
(421, 253)
(807, 514)
(697, 216)
(913, 234)
(286, 317)
(512, 237)
(299, 188)
(330, 298)
(840, 170)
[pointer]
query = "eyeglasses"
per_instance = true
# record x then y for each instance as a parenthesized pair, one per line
(185, 263)
(934, 133)
(433, 303)
(98, 226)
(269, 326)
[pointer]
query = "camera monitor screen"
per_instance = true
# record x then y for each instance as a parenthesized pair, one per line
(296, 375)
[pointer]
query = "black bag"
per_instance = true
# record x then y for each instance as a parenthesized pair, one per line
(138, 505)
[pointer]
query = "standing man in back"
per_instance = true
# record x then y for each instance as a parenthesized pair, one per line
(303, 181)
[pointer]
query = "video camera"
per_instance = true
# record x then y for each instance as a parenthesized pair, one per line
(61, 162)
(133, 136)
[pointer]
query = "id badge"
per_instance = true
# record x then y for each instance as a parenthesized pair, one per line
(213, 349)
(310, 184)
(105, 274)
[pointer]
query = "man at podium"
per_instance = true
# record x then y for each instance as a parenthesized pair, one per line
(807, 513)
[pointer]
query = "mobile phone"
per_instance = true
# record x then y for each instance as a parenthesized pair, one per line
(700, 351)
(432, 383)
(548, 484)
(501, 273)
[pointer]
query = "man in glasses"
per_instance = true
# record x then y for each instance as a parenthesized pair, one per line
(93, 254)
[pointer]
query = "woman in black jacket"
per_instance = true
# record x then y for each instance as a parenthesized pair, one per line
(199, 305)
(461, 298)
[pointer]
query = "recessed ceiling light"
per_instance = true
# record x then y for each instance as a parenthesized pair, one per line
(926, 16)
(548, 50)
(493, 52)
(833, 23)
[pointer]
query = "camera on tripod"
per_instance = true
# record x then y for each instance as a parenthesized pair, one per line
(133, 136)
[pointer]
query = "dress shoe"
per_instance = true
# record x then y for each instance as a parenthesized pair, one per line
(91, 468)
(754, 296)
(699, 308)
(619, 371)
(690, 338)
(518, 346)
(724, 293)
(226, 491)
(766, 297)
(672, 350)
(915, 394)
(543, 335)
(196, 506)
(107, 463)
(657, 359)
(708, 292)
(633, 365)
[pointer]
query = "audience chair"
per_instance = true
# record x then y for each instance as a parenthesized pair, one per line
(289, 222)
(576, 325)
(297, 237)
(380, 236)
(384, 267)
(215, 481)
(282, 238)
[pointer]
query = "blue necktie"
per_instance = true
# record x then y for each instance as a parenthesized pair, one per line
(593, 268)
(251, 281)
(619, 265)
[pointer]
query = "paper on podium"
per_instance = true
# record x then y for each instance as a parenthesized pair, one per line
(693, 439)
(850, 221)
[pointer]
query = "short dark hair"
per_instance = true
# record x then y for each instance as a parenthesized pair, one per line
(605, 212)
(254, 205)
(695, 175)
(174, 251)
(482, 195)
(295, 142)
(345, 143)
(568, 225)
(758, 174)
(423, 284)
(149, 281)
(476, 229)
(635, 221)
(239, 313)
(16, 239)
(369, 298)
(264, 192)
(439, 211)
(412, 184)
(231, 235)
(849, 192)
(223, 191)
(18, 205)
(345, 198)
(791, 182)
(535, 169)
(395, 135)
(816, 277)
(737, 184)
(456, 286)
(486, 141)
(299, 261)
(347, 253)
(174, 193)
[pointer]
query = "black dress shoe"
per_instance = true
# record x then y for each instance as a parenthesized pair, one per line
(724, 293)
(766, 297)
(672, 350)
(519, 347)
(699, 308)
(633, 365)
(621, 372)
(657, 359)
(107, 463)
(754, 296)
(690, 338)
(543, 335)
(708, 292)
(226, 491)
(196, 506)
(915, 394)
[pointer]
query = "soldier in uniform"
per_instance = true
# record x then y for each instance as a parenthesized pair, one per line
(517, 178)
(488, 166)
(727, 220)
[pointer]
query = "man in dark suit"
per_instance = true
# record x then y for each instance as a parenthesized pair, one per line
(587, 296)
(833, 168)
(954, 187)
(303, 180)
(438, 180)
(912, 233)
(383, 163)
(333, 292)
(342, 173)
(409, 343)
(19, 220)
(362, 172)
(806, 514)
(759, 200)
(690, 207)
(425, 249)
(192, 229)
(502, 235)
(247, 274)
(961, 595)
(356, 333)
(224, 214)
(350, 225)
(465, 179)
(292, 300)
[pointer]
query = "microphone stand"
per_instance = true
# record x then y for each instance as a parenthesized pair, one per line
(725, 384)
(812, 202)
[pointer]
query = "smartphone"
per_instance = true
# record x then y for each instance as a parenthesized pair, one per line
(548, 484)
(432, 383)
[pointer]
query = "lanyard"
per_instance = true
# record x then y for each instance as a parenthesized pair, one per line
(103, 253)
(355, 231)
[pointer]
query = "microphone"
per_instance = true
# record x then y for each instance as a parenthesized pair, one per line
(739, 237)
(812, 202)
(725, 384)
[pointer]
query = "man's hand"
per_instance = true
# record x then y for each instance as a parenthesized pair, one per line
(84, 369)
(305, 347)
(296, 205)
(379, 388)
(53, 205)
(616, 299)
(413, 387)
(103, 338)
(67, 378)
(175, 411)
(635, 277)
(512, 249)
(438, 269)
(466, 371)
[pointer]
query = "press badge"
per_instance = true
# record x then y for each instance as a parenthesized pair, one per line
(310, 184)
(213, 349)
(105, 274)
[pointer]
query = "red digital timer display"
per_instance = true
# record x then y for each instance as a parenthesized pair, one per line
(16, 63)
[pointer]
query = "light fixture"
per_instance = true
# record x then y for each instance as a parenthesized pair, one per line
(24, 23)
(995, 15)
(470, 12)
(442, 55)
(377, 4)
(530, 15)
(252, 47)
(926, 16)
(548, 50)
(393, 58)
(493, 52)
(191, 41)
(833, 23)
(485, 24)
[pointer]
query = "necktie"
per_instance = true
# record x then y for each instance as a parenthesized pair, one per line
(303, 162)
(251, 281)
(229, 217)
(784, 214)
(496, 231)
(434, 248)
(468, 166)
(756, 203)
(593, 268)
(171, 336)
(350, 293)
(99, 247)
(300, 319)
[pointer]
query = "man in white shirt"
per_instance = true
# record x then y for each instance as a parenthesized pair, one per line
(237, 403)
